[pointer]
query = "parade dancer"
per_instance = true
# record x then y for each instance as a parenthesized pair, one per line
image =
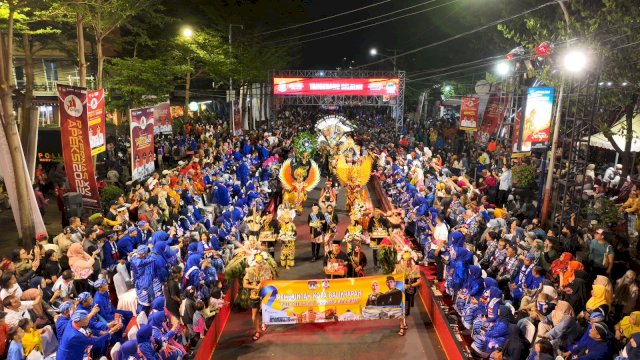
(257, 272)
(287, 236)
(316, 224)
(330, 227)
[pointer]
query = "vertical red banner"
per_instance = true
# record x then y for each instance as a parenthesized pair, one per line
(491, 118)
(76, 150)
(237, 118)
(96, 118)
(163, 124)
(469, 113)
(142, 152)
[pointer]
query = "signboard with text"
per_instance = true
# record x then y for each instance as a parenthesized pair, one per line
(96, 118)
(536, 124)
(76, 150)
(469, 113)
(142, 152)
(336, 86)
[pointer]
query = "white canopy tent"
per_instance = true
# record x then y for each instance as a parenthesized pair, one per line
(619, 132)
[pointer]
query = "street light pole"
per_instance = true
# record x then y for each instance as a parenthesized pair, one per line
(556, 130)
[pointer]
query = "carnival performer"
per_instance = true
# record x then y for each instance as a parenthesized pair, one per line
(353, 235)
(269, 233)
(357, 262)
(407, 267)
(378, 230)
(336, 258)
(316, 224)
(257, 272)
(330, 227)
(287, 236)
(254, 224)
(328, 196)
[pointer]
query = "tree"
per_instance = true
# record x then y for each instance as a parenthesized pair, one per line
(609, 27)
(23, 190)
(134, 82)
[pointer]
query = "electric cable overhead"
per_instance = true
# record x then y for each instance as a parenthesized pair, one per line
(322, 19)
(354, 23)
(377, 23)
(455, 37)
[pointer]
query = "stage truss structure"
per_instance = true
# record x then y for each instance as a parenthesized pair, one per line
(396, 104)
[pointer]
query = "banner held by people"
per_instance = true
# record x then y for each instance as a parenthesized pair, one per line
(325, 300)
(76, 150)
(142, 155)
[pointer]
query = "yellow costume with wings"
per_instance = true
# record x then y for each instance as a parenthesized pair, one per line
(298, 182)
(354, 177)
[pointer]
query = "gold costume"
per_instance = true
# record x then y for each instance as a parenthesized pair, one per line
(288, 238)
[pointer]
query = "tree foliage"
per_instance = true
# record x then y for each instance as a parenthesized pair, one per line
(135, 82)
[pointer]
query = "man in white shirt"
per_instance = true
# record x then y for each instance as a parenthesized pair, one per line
(504, 187)
(17, 309)
(64, 284)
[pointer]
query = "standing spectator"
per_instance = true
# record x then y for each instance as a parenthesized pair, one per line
(505, 185)
(601, 256)
(42, 202)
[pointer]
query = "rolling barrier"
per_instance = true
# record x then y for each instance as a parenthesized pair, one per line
(210, 341)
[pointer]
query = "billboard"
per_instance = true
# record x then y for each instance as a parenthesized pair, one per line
(96, 118)
(74, 131)
(330, 300)
(536, 125)
(163, 121)
(469, 113)
(142, 152)
(336, 86)
(493, 114)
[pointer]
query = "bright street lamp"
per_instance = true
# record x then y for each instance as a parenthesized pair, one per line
(447, 88)
(575, 61)
(373, 52)
(503, 68)
(187, 32)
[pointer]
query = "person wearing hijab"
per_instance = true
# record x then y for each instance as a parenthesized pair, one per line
(604, 281)
(490, 313)
(542, 350)
(560, 265)
(81, 264)
(596, 346)
(569, 273)
(473, 288)
(493, 335)
(560, 327)
(163, 338)
(129, 351)
(632, 350)
(598, 300)
(145, 345)
(477, 307)
(625, 295)
(142, 267)
(628, 326)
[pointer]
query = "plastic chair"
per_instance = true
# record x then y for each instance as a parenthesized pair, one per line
(115, 351)
(142, 319)
(127, 299)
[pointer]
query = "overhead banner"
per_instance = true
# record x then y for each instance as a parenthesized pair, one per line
(163, 121)
(469, 113)
(317, 301)
(336, 86)
(493, 113)
(76, 150)
(536, 126)
(96, 118)
(142, 155)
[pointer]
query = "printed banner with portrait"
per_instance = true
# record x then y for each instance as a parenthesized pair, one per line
(76, 151)
(142, 153)
(493, 114)
(96, 118)
(536, 127)
(330, 300)
(469, 113)
(163, 123)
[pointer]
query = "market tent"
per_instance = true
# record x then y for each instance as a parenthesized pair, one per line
(619, 132)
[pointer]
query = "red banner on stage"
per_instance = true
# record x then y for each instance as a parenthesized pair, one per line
(469, 113)
(96, 118)
(76, 150)
(142, 153)
(336, 86)
(163, 121)
(491, 118)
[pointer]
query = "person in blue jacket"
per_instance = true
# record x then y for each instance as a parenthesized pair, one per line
(102, 299)
(142, 267)
(65, 309)
(144, 232)
(145, 345)
(598, 345)
(494, 335)
(127, 243)
(110, 253)
(77, 340)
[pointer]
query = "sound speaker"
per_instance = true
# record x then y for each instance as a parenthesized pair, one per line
(73, 204)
